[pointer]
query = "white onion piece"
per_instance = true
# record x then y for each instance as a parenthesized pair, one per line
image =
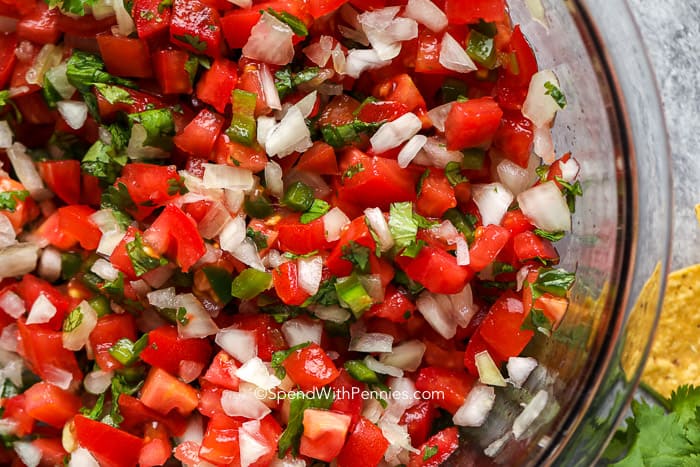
(238, 343)
(73, 112)
(102, 9)
(9, 427)
(493, 200)
(410, 150)
(436, 309)
(463, 308)
(42, 311)
(105, 270)
(76, 338)
(373, 286)
(334, 314)
(399, 440)
(233, 234)
(240, 404)
(256, 372)
(6, 135)
(214, 221)
(356, 35)
(224, 176)
(194, 431)
(26, 172)
(301, 331)
(462, 252)
(334, 222)
(270, 93)
(98, 381)
(360, 60)
(539, 107)
(377, 222)
(488, 371)
(569, 170)
(247, 253)
(242, 3)
(519, 369)
(49, 56)
(379, 367)
(137, 149)
(288, 461)
(12, 367)
(8, 25)
(385, 32)
(164, 298)
(17, 260)
(393, 134)
(530, 413)
(159, 276)
(542, 144)
(29, 454)
(339, 60)
(270, 41)
(372, 410)
(514, 177)
(81, 457)
(8, 237)
(59, 80)
(439, 114)
(273, 179)
(12, 304)
(290, 135)
(264, 128)
(49, 267)
(407, 355)
(426, 13)
(436, 154)
(320, 52)
(546, 207)
(476, 407)
(309, 271)
(199, 322)
(58, 376)
(9, 338)
(274, 259)
(251, 446)
(454, 57)
(371, 342)
(189, 370)
(537, 12)
(125, 25)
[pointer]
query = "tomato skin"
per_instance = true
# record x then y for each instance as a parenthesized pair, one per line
(365, 446)
(156, 447)
(320, 159)
(108, 330)
(137, 415)
(436, 196)
(319, 8)
(163, 392)
(488, 242)
(51, 404)
(459, 12)
(268, 336)
(50, 231)
(222, 372)
(200, 135)
(194, 18)
(52, 452)
(229, 152)
(347, 400)
(447, 442)
(436, 270)
(515, 222)
(85, 26)
(324, 434)
(220, 444)
(515, 137)
(401, 89)
(34, 109)
(472, 123)
(175, 233)
(501, 328)
(301, 239)
(216, 84)
(149, 185)
(169, 69)
(14, 409)
(120, 258)
(8, 59)
(512, 88)
(109, 445)
(451, 386)
(40, 26)
(237, 25)
(31, 287)
(286, 283)
(478, 344)
(396, 307)
(528, 245)
(428, 55)
(357, 232)
(310, 367)
(125, 57)
(419, 420)
(167, 350)
(382, 111)
(63, 178)
(149, 19)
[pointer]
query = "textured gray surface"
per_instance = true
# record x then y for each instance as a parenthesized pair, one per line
(671, 31)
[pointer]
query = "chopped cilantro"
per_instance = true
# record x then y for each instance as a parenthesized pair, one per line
(85, 69)
(404, 224)
(571, 191)
(96, 411)
(555, 93)
(421, 181)
(318, 209)
(542, 171)
(290, 20)
(554, 281)
(453, 173)
(114, 94)
(193, 41)
(143, 258)
(8, 199)
(117, 198)
(353, 170)
(413, 249)
(358, 255)
(164, 4)
(76, 7)
(73, 320)
(280, 356)
(551, 236)
(430, 452)
(342, 135)
(326, 295)
(537, 321)
(103, 162)
(220, 281)
(287, 81)
(159, 126)
(115, 287)
(120, 385)
(259, 238)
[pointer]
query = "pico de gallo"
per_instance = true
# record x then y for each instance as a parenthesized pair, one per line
(279, 232)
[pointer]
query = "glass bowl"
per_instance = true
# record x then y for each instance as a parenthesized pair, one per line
(620, 246)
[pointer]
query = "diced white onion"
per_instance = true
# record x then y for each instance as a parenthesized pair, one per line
(73, 112)
(379, 367)
(436, 309)
(462, 252)
(214, 221)
(546, 207)
(102, 9)
(233, 234)
(373, 286)
(242, 3)
(125, 25)
(360, 60)
(29, 454)
(49, 56)
(251, 447)
(105, 270)
(241, 404)
(372, 410)
(42, 311)
(199, 321)
(58, 376)
(290, 135)
(273, 179)
(238, 343)
(488, 371)
(26, 172)
(407, 355)
(265, 126)
(81, 457)
(530, 413)
(300, 331)
(247, 253)
(98, 381)
(334, 314)
(454, 57)
(49, 267)
(8, 237)
(377, 222)
(9, 427)
(9, 338)
(255, 371)
(339, 59)
(399, 440)
(393, 134)
(307, 103)
(320, 52)
(410, 150)
(439, 114)
(402, 396)
(542, 144)
(385, 32)
(371, 342)
(426, 13)
(76, 338)
(164, 298)
(540, 107)
(270, 93)
(225, 176)
(6, 135)
(309, 273)
(476, 407)
(519, 369)
(493, 201)
(288, 461)
(463, 308)
(17, 260)
(569, 170)
(12, 304)
(270, 41)
(514, 177)
(435, 154)
(334, 221)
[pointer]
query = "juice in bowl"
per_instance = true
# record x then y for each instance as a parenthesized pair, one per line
(292, 233)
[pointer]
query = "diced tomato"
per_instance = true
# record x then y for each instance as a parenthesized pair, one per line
(220, 444)
(553, 307)
(14, 410)
(250, 80)
(167, 350)
(222, 372)
(436, 195)
(50, 231)
(419, 421)
(514, 138)
(150, 18)
(108, 330)
(382, 111)
(478, 344)
(138, 101)
(75, 221)
(163, 392)
(448, 387)
(528, 245)
(320, 159)
(150, 185)
(52, 452)
(446, 442)
(501, 329)
(310, 367)
(31, 287)
(210, 399)
(216, 84)
(124, 56)
(63, 178)
(472, 123)
(365, 446)
(8, 59)
(356, 232)
(513, 82)
(339, 111)
(428, 56)
(195, 27)
(25, 210)
(237, 25)
(515, 222)
(40, 26)
(239, 155)
(156, 449)
(136, 415)
(108, 445)
(459, 12)
(324, 434)
(51, 404)
(299, 238)
(402, 89)
(200, 134)
(120, 258)
(268, 435)
(396, 307)
(436, 270)
(347, 398)
(488, 242)
(169, 68)
(268, 336)
(319, 8)
(176, 234)
(286, 282)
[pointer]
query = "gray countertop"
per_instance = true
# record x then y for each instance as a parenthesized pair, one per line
(671, 31)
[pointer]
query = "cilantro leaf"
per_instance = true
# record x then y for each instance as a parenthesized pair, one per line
(118, 199)
(401, 224)
(554, 281)
(537, 321)
(358, 255)
(114, 94)
(280, 356)
(84, 69)
(326, 295)
(76, 7)
(8, 199)
(342, 135)
(142, 257)
(96, 412)
(571, 191)
(193, 41)
(317, 210)
(286, 81)
(159, 126)
(453, 173)
(556, 94)
(551, 236)
(421, 181)
(103, 162)
(413, 249)
(353, 170)
(73, 320)
(542, 171)
(292, 434)
(259, 238)
(430, 451)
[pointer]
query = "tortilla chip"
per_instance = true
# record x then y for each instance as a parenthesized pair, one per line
(675, 353)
